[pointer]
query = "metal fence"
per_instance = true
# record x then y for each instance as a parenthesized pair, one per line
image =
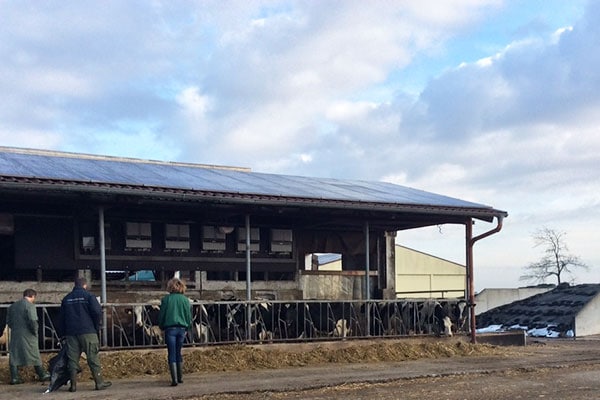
(135, 325)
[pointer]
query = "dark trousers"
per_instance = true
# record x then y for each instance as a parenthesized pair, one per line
(88, 344)
(174, 339)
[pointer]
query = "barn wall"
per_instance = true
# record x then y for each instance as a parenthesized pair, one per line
(333, 285)
(492, 298)
(44, 242)
(587, 321)
(428, 275)
(48, 292)
(272, 290)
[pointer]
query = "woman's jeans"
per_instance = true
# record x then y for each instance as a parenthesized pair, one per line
(174, 339)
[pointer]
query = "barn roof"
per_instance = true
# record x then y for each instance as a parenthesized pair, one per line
(556, 308)
(59, 171)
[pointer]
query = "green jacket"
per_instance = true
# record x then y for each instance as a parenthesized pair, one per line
(175, 310)
(22, 320)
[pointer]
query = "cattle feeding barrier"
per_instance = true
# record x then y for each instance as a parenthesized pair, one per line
(135, 325)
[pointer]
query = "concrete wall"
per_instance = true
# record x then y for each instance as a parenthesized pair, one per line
(492, 298)
(587, 321)
(271, 290)
(432, 276)
(348, 285)
(48, 292)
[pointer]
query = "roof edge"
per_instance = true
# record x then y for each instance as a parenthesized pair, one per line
(84, 156)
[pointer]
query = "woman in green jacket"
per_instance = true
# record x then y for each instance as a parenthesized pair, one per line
(175, 318)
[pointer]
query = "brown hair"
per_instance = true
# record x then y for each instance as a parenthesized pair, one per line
(176, 285)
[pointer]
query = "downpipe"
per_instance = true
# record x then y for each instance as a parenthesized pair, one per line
(470, 285)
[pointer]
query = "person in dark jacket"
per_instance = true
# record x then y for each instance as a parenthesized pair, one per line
(81, 314)
(175, 318)
(23, 348)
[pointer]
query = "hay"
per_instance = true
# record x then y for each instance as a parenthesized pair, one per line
(126, 364)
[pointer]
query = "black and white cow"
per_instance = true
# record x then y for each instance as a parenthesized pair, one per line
(319, 319)
(146, 322)
(263, 317)
(434, 318)
(222, 321)
(386, 318)
(459, 313)
(201, 328)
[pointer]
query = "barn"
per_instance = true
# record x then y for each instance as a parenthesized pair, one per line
(418, 274)
(228, 231)
(565, 311)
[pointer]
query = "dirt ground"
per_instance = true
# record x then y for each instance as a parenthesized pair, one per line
(445, 368)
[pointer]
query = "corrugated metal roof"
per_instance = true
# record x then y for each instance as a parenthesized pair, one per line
(556, 308)
(26, 165)
(326, 258)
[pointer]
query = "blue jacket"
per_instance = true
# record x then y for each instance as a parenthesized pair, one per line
(81, 313)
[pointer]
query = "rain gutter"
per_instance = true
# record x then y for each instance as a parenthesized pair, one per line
(470, 286)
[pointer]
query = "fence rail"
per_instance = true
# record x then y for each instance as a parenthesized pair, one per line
(135, 325)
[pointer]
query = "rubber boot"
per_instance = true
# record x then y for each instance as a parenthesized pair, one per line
(15, 378)
(103, 385)
(173, 370)
(42, 374)
(73, 379)
(179, 373)
(100, 383)
(97, 376)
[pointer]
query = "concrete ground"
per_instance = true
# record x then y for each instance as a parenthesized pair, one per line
(550, 369)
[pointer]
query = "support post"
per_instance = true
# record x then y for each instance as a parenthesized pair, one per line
(367, 283)
(367, 262)
(470, 291)
(102, 272)
(389, 293)
(470, 287)
(248, 280)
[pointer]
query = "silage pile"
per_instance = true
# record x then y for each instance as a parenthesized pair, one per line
(125, 364)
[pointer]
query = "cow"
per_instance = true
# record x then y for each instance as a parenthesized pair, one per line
(202, 331)
(319, 319)
(221, 321)
(263, 320)
(234, 322)
(146, 319)
(433, 318)
(288, 321)
(4, 338)
(458, 313)
(121, 327)
(386, 318)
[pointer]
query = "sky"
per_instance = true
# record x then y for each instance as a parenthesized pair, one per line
(489, 101)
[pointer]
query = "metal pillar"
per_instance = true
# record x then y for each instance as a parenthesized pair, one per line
(470, 291)
(367, 268)
(248, 280)
(367, 262)
(102, 272)
(469, 261)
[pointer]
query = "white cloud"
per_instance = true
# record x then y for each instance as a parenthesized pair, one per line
(312, 88)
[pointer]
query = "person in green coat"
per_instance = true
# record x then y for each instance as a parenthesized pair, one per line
(175, 318)
(23, 347)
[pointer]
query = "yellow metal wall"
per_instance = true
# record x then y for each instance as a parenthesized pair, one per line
(420, 275)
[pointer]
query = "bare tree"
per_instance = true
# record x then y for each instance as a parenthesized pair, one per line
(556, 260)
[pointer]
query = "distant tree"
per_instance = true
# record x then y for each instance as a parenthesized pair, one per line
(556, 260)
